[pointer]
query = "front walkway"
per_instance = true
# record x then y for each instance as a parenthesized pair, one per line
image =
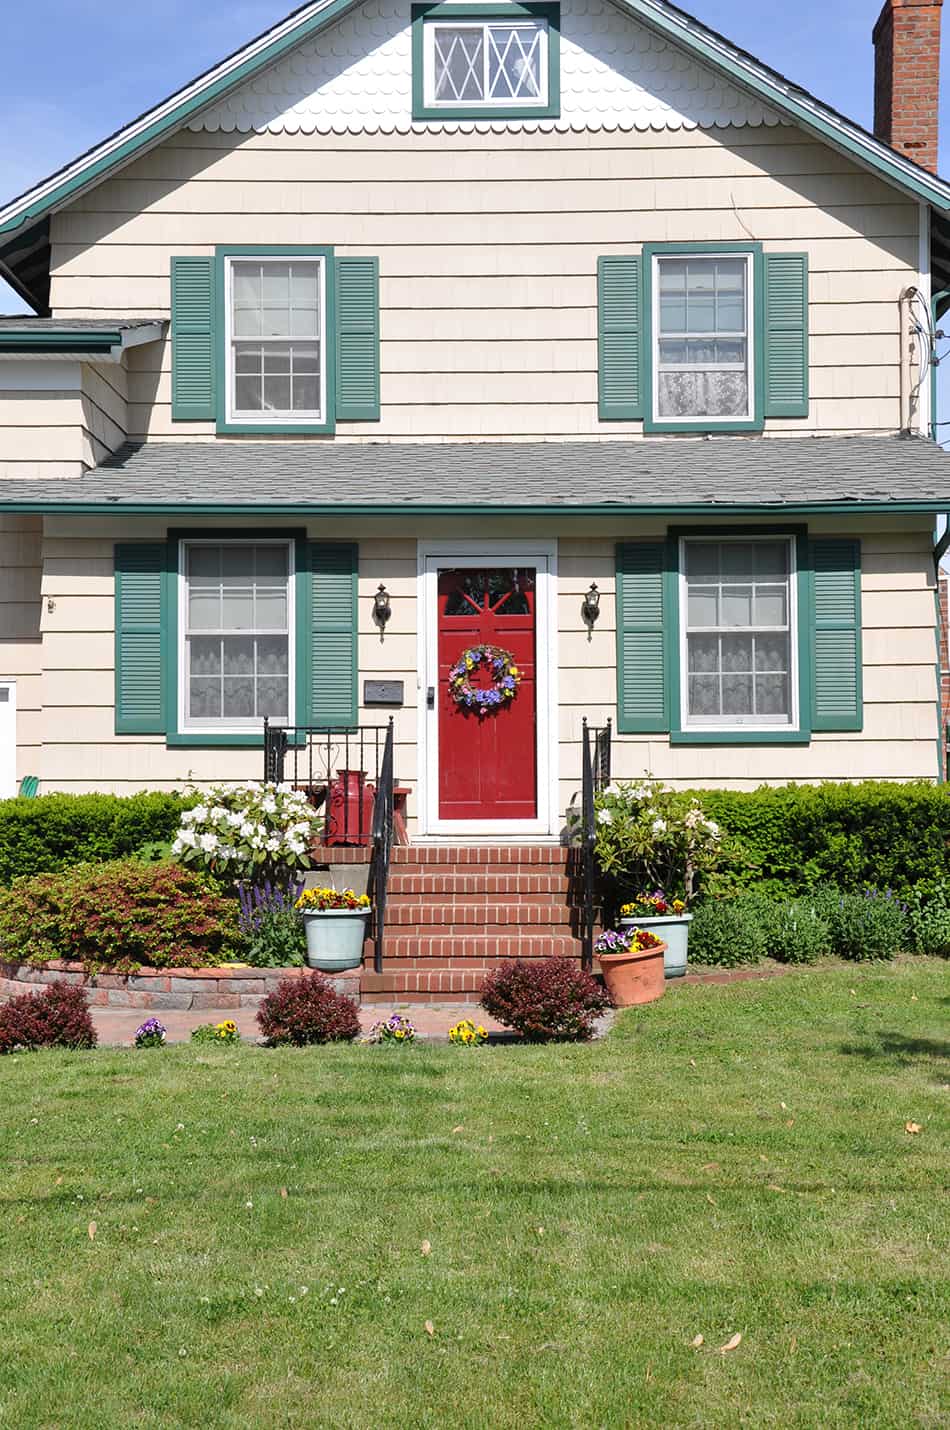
(116, 1026)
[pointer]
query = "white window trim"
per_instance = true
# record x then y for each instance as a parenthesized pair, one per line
(187, 726)
(741, 727)
(429, 28)
(244, 416)
(750, 415)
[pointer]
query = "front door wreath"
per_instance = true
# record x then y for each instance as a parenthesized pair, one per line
(506, 677)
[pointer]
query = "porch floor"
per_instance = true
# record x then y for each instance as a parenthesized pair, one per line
(116, 1026)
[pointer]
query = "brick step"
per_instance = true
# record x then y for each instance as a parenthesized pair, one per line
(435, 914)
(423, 985)
(501, 855)
(497, 942)
(462, 884)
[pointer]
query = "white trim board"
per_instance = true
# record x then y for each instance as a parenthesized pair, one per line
(431, 555)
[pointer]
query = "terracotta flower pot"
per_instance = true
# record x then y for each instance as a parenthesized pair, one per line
(633, 978)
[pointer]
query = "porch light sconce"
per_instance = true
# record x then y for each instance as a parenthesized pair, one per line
(382, 608)
(590, 609)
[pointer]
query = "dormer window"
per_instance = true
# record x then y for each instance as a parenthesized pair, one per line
(492, 61)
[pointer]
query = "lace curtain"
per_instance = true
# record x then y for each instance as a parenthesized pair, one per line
(703, 394)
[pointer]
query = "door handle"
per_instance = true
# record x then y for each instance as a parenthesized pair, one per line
(430, 697)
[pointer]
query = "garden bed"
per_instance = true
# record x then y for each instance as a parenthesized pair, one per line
(233, 986)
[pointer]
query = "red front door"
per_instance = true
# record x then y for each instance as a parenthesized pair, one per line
(488, 763)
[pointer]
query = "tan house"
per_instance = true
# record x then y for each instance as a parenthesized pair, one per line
(563, 329)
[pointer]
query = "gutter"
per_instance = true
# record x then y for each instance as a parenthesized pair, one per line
(116, 506)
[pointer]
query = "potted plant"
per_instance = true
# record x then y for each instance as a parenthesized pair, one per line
(335, 925)
(668, 919)
(631, 961)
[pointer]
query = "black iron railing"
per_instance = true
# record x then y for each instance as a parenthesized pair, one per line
(349, 775)
(595, 775)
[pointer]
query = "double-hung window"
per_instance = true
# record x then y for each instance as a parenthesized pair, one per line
(703, 338)
(738, 615)
(276, 339)
(235, 647)
(496, 61)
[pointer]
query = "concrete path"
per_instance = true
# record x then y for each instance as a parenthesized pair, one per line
(116, 1026)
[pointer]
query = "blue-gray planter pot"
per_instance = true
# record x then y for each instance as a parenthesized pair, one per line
(675, 933)
(335, 938)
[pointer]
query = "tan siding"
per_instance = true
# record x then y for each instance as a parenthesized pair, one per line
(488, 247)
(20, 649)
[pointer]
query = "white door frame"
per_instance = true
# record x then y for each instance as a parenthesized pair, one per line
(8, 750)
(542, 555)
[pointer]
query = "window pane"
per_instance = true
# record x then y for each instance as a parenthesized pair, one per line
(702, 561)
(738, 560)
(248, 394)
(703, 606)
(737, 605)
(772, 653)
(237, 609)
(271, 611)
(701, 313)
(737, 695)
(272, 655)
(673, 314)
(238, 701)
(271, 561)
(205, 655)
(306, 394)
(237, 564)
(736, 653)
(703, 394)
(458, 60)
(730, 275)
(672, 275)
(772, 695)
(730, 313)
(704, 695)
(304, 285)
(272, 697)
(246, 299)
(514, 61)
(204, 561)
(277, 394)
(204, 609)
(771, 559)
(238, 655)
(204, 699)
(771, 606)
(703, 654)
(276, 300)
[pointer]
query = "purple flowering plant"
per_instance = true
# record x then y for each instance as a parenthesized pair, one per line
(505, 673)
(150, 1034)
(395, 1029)
(271, 927)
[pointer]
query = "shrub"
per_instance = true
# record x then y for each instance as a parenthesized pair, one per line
(307, 1010)
(56, 831)
(648, 836)
(53, 1017)
(728, 933)
(851, 835)
(252, 830)
(550, 1000)
(119, 915)
(796, 932)
(929, 921)
(271, 927)
(867, 926)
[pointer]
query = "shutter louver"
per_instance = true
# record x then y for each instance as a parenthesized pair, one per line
(139, 631)
(357, 339)
(333, 634)
(837, 684)
(786, 334)
(642, 695)
(619, 338)
(194, 356)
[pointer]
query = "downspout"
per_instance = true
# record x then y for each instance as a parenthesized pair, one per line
(939, 552)
(937, 298)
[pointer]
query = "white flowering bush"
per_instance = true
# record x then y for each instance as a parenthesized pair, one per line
(249, 832)
(648, 836)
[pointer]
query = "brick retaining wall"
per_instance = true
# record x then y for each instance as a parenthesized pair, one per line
(157, 988)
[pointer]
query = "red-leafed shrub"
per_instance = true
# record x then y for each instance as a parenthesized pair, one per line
(53, 1017)
(307, 1010)
(552, 1000)
(120, 915)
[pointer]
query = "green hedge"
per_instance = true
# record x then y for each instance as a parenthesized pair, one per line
(789, 839)
(41, 836)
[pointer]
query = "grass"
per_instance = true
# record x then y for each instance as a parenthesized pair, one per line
(732, 1160)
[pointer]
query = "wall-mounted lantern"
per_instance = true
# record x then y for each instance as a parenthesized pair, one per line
(590, 608)
(382, 607)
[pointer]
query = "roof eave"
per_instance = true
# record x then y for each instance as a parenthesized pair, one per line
(107, 346)
(931, 506)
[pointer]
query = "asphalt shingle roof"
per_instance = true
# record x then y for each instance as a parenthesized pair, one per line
(29, 323)
(666, 475)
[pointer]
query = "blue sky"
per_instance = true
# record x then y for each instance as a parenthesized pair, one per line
(75, 70)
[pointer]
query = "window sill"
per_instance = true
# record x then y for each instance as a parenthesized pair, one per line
(425, 114)
(740, 737)
(276, 429)
(708, 428)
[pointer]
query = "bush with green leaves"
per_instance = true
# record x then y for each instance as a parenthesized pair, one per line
(119, 915)
(252, 831)
(648, 836)
(929, 920)
(867, 926)
(729, 933)
(271, 925)
(57, 831)
(796, 932)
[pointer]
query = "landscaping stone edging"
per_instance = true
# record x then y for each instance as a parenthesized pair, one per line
(168, 988)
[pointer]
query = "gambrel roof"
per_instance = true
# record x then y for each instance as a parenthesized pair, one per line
(24, 222)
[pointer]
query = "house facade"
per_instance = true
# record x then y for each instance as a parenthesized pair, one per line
(569, 330)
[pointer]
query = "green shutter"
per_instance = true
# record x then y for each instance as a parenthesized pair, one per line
(642, 693)
(357, 339)
(619, 338)
(193, 340)
(786, 334)
(332, 634)
(836, 602)
(139, 630)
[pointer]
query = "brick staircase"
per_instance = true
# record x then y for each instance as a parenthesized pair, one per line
(455, 912)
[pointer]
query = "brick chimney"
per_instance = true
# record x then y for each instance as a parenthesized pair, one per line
(907, 78)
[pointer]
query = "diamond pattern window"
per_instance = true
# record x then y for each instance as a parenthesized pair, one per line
(738, 649)
(490, 63)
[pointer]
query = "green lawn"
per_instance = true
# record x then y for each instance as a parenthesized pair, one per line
(732, 1160)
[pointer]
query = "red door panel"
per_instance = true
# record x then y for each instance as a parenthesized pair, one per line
(488, 763)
